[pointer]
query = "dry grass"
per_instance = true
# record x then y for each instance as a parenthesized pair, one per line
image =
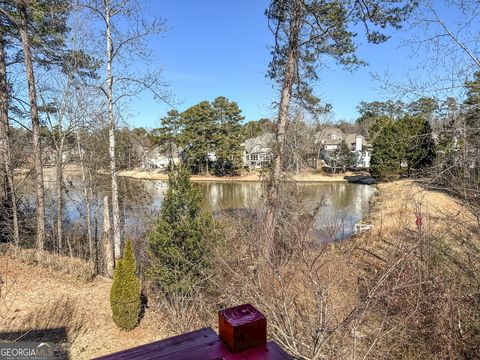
(400, 201)
(35, 297)
(78, 268)
(395, 212)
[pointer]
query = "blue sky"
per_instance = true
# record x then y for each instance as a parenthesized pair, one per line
(221, 47)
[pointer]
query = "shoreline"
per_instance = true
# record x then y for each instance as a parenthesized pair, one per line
(137, 174)
(251, 177)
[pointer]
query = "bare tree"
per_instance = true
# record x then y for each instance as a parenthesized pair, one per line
(59, 108)
(120, 81)
(447, 45)
(300, 143)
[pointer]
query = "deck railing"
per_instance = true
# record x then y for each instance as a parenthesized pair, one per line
(242, 335)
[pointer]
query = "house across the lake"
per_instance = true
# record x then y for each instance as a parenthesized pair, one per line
(361, 148)
(258, 151)
(331, 138)
(159, 159)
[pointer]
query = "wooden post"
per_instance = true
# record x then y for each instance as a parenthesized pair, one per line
(242, 327)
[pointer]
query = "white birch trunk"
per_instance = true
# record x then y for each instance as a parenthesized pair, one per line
(107, 239)
(111, 136)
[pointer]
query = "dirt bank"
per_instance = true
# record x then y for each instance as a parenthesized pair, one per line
(398, 206)
(253, 176)
(34, 299)
(247, 177)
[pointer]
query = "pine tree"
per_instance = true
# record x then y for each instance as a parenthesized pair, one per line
(125, 293)
(198, 124)
(306, 31)
(212, 133)
(8, 204)
(41, 26)
(387, 153)
(168, 134)
(416, 141)
(342, 158)
(472, 114)
(228, 136)
(180, 241)
(256, 128)
(374, 115)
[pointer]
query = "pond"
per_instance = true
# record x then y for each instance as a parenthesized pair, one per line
(340, 205)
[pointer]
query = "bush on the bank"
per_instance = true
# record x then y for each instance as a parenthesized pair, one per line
(125, 293)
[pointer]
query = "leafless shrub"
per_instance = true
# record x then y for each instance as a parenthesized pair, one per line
(400, 292)
(61, 313)
(423, 303)
(7, 291)
(308, 292)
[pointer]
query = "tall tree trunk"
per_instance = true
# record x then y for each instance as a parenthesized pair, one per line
(5, 153)
(171, 157)
(37, 150)
(59, 192)
(87, 190)
(107, 238)
(279, 151)
(111, 135)
(92, 241)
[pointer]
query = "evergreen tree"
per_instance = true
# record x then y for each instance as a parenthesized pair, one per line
(198, 124)
(167, 135)
(387, 153)
(407, 141)
(40, 26)
(416, 142)
(212, 133)
(342, 158)
(180, 240)
(228, 136)
(306, 32)
(472, 114)
(125, 293)
(376, 114)
(256, 128)
(423, 106)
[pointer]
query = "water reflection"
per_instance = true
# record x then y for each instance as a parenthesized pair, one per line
(342, 204)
